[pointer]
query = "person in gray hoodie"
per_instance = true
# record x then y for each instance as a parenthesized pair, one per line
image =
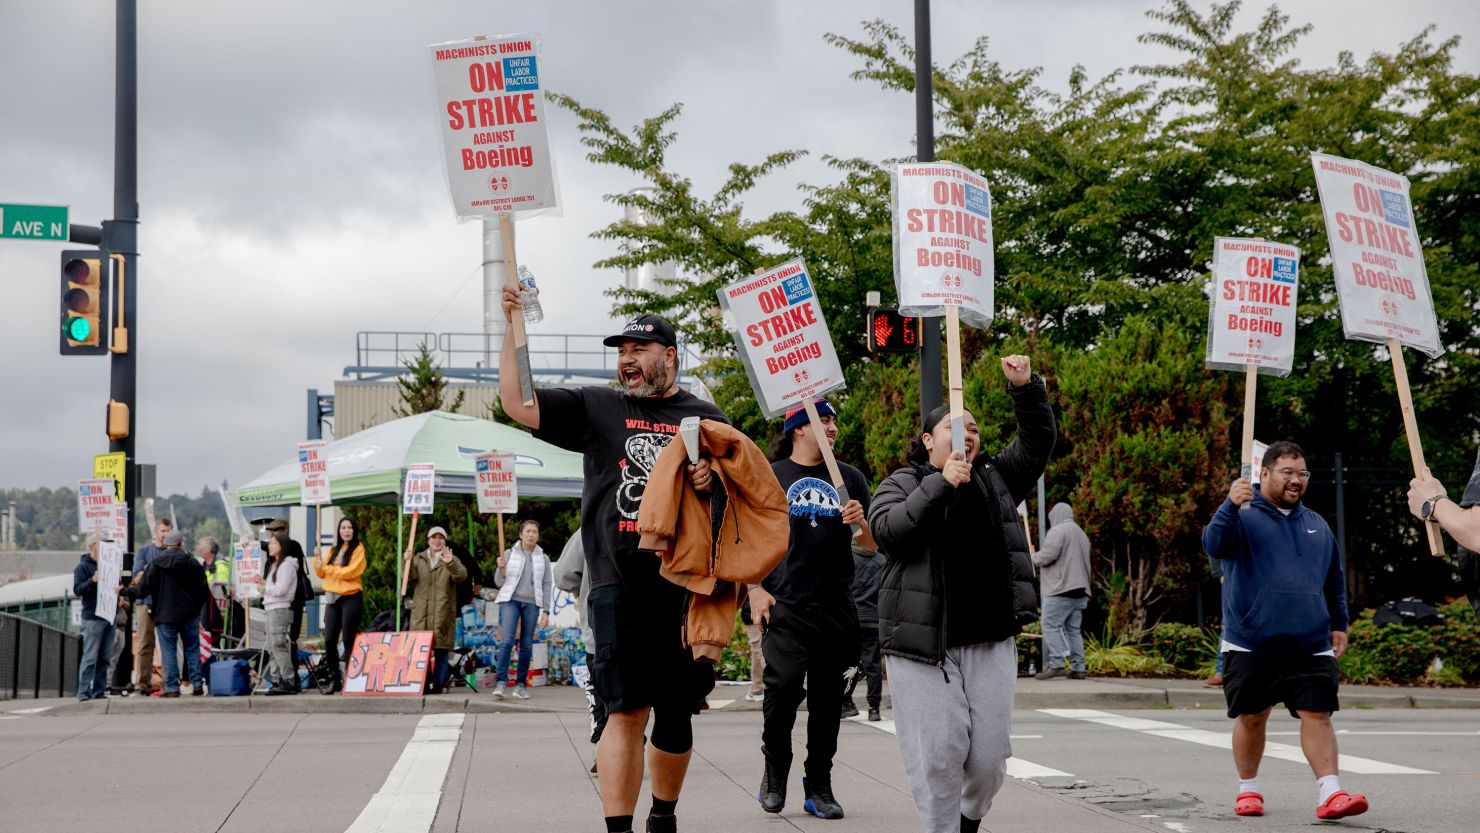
(1063, 561)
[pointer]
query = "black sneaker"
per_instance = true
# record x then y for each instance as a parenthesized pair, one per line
(662, 824)
(820, 801)
(1052, 674)
(1076, 675)
(850, 709)
(873, 715)
(197, 690)
(772, 794)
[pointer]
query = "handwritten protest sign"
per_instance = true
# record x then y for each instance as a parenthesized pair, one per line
(247, 566)
(420, 490)
(498, 490)
(491, 107)
(1252, 315)
(943, 241)
(389, 664)
(110, 573)
(779, 331)
(95, 505)
(313, 473)
(1381, 282)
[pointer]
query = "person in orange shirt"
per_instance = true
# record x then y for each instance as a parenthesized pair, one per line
(340, 570)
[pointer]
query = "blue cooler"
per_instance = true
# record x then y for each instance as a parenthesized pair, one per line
(230, 678)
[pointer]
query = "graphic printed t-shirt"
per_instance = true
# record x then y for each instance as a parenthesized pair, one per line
(818, 568)
(621, 438)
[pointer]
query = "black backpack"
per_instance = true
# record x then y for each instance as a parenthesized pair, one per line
(1408, 611)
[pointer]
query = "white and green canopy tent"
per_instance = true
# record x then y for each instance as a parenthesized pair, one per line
(368, 467)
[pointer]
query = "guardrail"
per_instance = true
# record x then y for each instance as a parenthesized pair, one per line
(36, 660)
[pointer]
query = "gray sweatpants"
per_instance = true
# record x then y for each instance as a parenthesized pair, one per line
(954, 729)
(280, 648)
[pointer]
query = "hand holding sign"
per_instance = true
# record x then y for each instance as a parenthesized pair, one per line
(1018, 370)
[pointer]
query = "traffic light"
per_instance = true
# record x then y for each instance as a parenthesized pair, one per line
(890, 332)
(86, 293)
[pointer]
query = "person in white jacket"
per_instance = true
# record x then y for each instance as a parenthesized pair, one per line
(526, 585)
(279, 584)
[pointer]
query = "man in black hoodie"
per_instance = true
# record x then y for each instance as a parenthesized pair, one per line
(177, 583)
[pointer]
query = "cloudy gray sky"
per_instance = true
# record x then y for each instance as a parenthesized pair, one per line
(292, 190)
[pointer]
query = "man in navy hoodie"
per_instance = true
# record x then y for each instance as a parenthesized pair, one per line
(1284, 615)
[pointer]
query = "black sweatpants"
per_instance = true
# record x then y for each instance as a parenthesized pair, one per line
(342, 618)
(807, 650)
(869, 665)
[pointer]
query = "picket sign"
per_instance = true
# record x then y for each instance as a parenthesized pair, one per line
(1382, 284)
(783, 341)
(1251, 321)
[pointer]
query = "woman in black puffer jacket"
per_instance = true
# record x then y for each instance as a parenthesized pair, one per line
(957, 587)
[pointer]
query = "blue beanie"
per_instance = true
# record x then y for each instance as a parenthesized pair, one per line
(798, 416)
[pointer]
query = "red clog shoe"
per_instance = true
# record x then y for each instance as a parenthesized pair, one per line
(1249, 804)
(1342, 804)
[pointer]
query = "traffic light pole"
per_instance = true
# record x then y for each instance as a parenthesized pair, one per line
(121, 234)
(930, 381)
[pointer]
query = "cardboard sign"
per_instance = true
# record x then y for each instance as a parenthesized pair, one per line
(1251, 320)
(498, 489)
(95, 505)
(491, 110)
(781, 336)
(119, 533)
(1381, 282)
(246, 566)
(420, 490)
(313, 473)
(392, 664)
(943, 241)
(110, 574)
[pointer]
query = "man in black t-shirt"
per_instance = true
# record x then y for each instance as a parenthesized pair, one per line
(641, 664)
(807, 611)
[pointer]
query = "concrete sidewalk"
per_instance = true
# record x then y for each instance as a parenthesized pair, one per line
(1094, 693)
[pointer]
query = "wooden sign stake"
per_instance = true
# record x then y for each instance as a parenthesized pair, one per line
(521, 339)
(827, 458)
(1410, 424)
(953, 373)
(1246, 447)
(406, 562)
(503, 572)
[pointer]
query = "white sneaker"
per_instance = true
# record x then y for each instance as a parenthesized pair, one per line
(520, 692)
(755, 696)
(498, 690)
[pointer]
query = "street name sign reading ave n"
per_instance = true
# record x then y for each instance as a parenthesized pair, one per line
(33, 222)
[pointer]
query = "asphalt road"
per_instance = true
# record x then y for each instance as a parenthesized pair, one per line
(1079, 770)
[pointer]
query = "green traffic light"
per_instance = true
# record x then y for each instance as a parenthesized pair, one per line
(79, 329)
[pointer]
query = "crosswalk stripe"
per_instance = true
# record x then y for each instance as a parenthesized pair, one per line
(407, 801)
(1224, 740)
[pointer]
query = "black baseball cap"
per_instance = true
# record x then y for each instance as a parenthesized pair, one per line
(645, 328)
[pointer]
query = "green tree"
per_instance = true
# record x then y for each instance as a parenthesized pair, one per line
(1107, 196)
(424, 387)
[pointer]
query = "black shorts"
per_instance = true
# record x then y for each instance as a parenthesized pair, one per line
(640, 658)
(1255, 682)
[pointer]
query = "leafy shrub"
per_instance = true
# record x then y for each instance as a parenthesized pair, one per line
(734, 660)
(1185, 647)
(1108, 655)
(1405, 653)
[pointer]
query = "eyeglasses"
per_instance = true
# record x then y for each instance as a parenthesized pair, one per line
(1290, 474)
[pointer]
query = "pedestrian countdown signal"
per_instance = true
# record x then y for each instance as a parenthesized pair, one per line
(890, 332)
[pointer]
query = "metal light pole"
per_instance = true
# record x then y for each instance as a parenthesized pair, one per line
(930, 379)
(121, 234)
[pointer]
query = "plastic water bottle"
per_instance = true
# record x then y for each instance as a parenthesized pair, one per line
(1032, 669)
(530, 295)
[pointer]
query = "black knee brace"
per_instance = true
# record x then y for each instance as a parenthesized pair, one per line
(673, 730)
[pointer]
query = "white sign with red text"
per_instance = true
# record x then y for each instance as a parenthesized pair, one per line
(95, 505)
(420, 489)
(313, 473)
(1252, 318)
(780, 334)
(491, 106)
(498, 490)
(245, 569)
(943, 241)
(1381, 281)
